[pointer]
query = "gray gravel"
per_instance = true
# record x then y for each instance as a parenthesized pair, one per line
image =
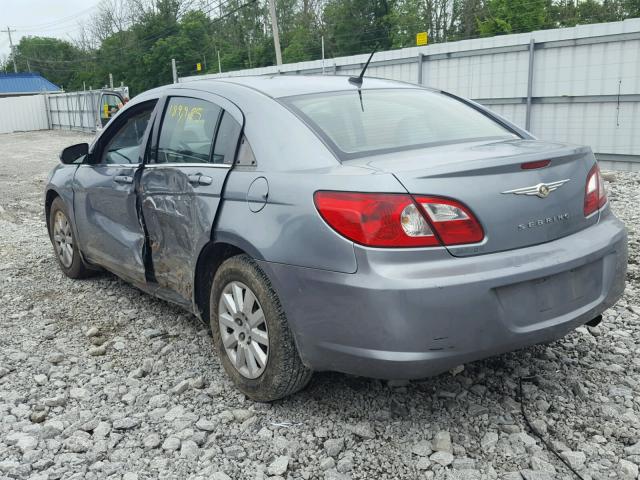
(98, 380)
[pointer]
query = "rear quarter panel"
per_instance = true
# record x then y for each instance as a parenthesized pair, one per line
(295, 164)
(289, 229)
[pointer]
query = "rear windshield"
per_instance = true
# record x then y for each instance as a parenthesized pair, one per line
(389, 120)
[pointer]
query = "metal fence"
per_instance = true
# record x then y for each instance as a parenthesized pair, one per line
(60, 111)
(578, 85)
(76, 110)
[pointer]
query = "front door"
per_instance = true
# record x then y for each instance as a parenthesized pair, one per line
(105, 198)
(181, 186)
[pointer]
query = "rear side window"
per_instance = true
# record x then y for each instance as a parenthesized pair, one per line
(226, 140)
(187, 132)
(388, 120)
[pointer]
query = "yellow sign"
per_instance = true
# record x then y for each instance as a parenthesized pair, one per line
(198, 66)
(422, 38)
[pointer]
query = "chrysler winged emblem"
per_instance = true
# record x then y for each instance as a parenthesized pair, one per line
(541, 190)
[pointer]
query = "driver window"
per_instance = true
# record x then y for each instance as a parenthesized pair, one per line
(187, 132)
(124, 145)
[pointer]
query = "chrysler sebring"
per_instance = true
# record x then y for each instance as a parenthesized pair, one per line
(375, 228)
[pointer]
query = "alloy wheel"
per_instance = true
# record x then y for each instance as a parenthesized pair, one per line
(63, 239)
(243, 329)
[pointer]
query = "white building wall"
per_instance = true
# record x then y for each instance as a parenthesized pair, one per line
(23, 113)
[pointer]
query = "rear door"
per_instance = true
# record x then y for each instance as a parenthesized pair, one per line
(181, 186)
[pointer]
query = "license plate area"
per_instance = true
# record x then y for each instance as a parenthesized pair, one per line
(547, 297)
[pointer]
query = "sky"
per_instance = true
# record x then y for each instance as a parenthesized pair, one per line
(50, 18)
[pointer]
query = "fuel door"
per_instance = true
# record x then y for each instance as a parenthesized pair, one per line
(257, 194)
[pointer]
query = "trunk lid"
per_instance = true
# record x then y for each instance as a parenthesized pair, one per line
(488, 177)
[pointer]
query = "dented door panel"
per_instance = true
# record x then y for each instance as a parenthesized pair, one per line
(108, 225)
(179, 214)
(181, 185)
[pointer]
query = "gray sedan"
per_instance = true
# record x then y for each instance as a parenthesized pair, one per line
(382, 229)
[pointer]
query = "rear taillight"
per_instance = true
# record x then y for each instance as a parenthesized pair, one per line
(398, 220)
(454, 223)
(595, 196)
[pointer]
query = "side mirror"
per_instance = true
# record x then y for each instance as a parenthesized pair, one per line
(74, 152)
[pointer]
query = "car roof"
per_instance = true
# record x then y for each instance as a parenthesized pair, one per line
(289, 85)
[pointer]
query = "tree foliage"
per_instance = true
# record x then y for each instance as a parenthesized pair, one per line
(135, 40)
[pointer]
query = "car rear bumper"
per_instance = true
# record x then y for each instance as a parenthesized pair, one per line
(413, 314)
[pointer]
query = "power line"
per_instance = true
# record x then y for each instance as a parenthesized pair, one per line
(58, 21)
(67, 65)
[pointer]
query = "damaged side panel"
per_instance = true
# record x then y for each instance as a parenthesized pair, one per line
(108, 225)
(193, 147)
(179, 214)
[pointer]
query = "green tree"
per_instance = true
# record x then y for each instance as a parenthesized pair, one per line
(135, 40)
(514, 16)
(357, 26)
(57, 60)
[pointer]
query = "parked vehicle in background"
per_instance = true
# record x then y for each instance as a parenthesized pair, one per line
(386, 230)
(109, 103)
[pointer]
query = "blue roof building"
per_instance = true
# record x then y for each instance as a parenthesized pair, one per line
(26, 83)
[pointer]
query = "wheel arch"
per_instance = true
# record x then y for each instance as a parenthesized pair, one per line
(50, 196)
(209, 260)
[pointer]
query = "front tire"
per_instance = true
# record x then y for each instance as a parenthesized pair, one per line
(64, 242)
(251, 333)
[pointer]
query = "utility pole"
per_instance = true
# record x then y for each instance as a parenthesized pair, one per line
(323, 54)
(276, 34)
(174, 70)
(111, 81)
(219, 64)
(13, 53)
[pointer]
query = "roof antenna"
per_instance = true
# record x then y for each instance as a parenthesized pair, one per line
(357, 81)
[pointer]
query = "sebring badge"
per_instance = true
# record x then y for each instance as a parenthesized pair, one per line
(541, 190)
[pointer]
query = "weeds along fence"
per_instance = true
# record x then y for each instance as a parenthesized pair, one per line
(578, 85)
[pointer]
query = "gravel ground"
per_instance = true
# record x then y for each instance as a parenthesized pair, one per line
(98, 380)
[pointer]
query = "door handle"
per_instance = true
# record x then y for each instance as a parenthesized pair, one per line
(199, 179)
(123, 179)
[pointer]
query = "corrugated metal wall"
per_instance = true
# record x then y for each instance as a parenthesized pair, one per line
(23, 113)
(584, 81)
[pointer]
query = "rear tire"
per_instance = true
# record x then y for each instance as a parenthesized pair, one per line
(250, 316)
(65, 245)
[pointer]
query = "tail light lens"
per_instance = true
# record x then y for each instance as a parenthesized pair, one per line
(454, 223)
(595, 196)
(398, 220)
